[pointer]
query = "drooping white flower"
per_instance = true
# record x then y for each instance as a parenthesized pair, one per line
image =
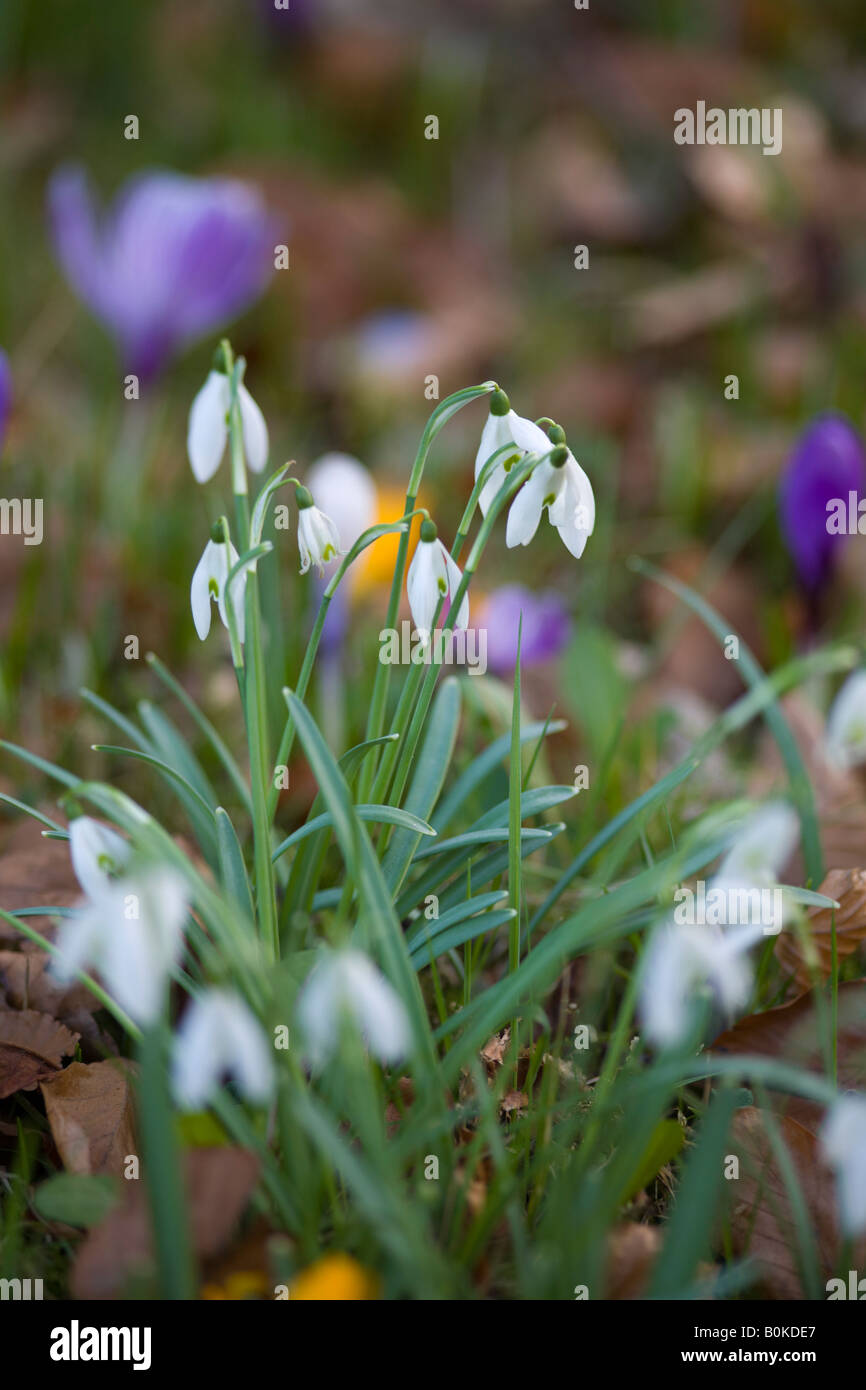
(559, 484)
(131, 932)
(433, 575)
(208, 430)
(762, 846)
(680, 960)
(209, 582)
(97, 853)
(504, 426)
(346, 493)
(345, 986)
(845, 734)
(318, 537)
(218, 1037)
(843, 1141)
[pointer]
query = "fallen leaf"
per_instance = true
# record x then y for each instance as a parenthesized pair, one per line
(513, 1100)
(493, 1052)
(762, 1222)
(32, 1046)
(848, 888)
(89, 1109)
(218, 1184)
(790, 1032)
(25, 981)
(35, 872)
(631, 1253)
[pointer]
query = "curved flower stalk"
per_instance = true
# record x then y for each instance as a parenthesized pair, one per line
(845, 733)
(843, 1141)
(433, 576)
(173, 260)
(220, 1037)
(345, 987)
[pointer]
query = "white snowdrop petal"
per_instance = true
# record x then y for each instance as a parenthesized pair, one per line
(255, 430)
(93, 848)
(207, 431)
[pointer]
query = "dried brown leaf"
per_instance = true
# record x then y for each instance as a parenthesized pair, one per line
(32, 1046)
(791, 1032)
(218, 1184)
(90, 1111)
(631, 1253)
(762, 1221)
(848, 888)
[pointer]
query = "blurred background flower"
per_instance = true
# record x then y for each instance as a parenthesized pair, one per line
(827, 463)
(545, 633)
(174, 259)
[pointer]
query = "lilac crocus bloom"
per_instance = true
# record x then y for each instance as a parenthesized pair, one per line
(546, 627)
(827, 464)
(5, 395)
(172, 261)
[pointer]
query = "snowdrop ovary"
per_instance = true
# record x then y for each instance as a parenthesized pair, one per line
(433, 575)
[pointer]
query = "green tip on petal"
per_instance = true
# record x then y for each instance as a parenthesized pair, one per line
(219, 363)
(559, 457)
(499, 403)
(556, 434)
(303, 497)
(219, 532)
(428, 530)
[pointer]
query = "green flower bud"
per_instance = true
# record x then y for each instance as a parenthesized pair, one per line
(559, 457)
(219, 532)
(556, 434)
(428, 530)
(499, 403)
(304, 498)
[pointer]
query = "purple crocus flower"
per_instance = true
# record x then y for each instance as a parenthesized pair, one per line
(173, 260)
(827, 464)
(5, 394)
(546, 627)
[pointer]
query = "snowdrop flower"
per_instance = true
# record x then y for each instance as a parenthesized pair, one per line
(681, 959)
(763, 845)
(208, 430)
(843, 1140)
(220, 1036)
(97, 853)
(219, 558)
(432, 576)
(172, 261)
(347, 494)
(504, 426)
(345, 985)
(131, 932)
(559, 484)
(318, 538)
(845, 735)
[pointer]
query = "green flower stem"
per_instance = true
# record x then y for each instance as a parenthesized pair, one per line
(163, 1169)
(255, 702)
(440, 416)
(408, 694)
(514, 481)
(367, 538)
